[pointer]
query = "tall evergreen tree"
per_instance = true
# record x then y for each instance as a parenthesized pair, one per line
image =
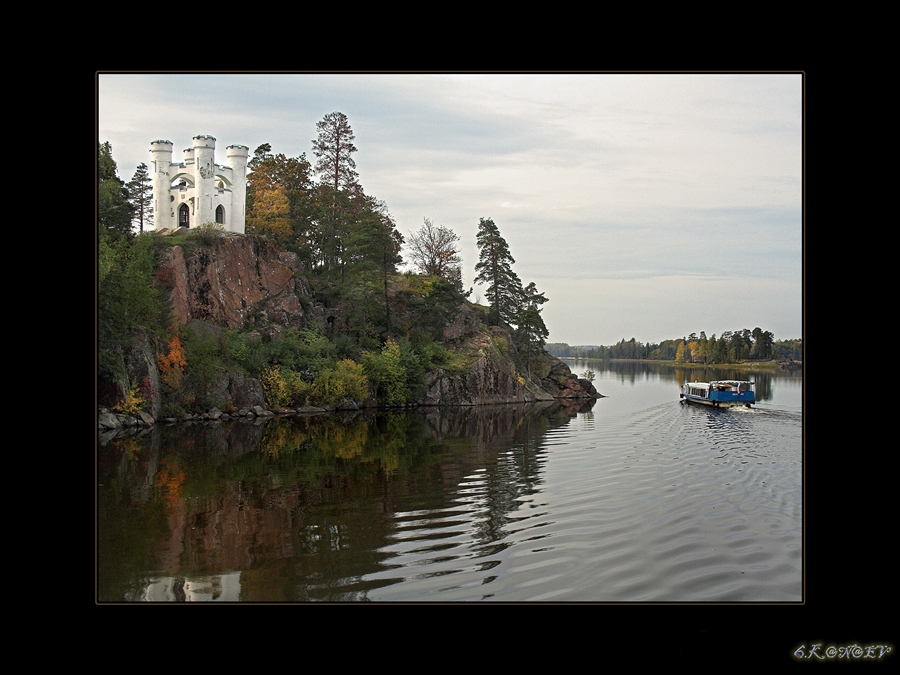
(140, 195)
(374, 245)
(494, 268)
(334, 149)
(113, 208)
(762, 343)
(531, 332)
(262, 153)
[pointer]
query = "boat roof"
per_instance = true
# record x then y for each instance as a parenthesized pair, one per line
(706, 384)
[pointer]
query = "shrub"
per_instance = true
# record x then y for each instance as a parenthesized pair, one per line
(209, 234)
(283, 387)
(345, 380)
(386, 374)
(203, 370)
(246, 351)
(414, 369)
(431, 354)
(274, 387)
(132, 403)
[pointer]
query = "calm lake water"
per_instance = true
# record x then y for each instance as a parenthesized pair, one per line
(635, 497)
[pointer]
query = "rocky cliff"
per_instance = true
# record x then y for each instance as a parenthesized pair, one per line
(242, 282)
(494, 373)
(240, 279)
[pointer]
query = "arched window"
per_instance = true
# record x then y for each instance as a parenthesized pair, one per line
(184, 216)
(220, 214)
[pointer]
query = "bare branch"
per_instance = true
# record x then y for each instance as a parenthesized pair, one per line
(433, 251)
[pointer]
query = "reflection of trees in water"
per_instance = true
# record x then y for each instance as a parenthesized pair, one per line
(500, 466)
(308, 500)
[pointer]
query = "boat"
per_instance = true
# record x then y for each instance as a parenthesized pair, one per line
(719, 393)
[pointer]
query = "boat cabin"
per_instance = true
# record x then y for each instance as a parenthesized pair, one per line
(719, 392)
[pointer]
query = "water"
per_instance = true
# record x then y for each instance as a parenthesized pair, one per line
(636, 497)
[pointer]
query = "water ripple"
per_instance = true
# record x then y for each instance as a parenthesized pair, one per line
(671, 503)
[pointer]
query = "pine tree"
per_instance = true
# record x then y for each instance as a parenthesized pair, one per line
(531, 332)
(140, 195)
(494, 268)
(113, 208)
(373, 245)
(333, 149)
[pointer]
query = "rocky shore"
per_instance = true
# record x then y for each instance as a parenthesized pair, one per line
(559, 384)
(109, 420)
(214, 290)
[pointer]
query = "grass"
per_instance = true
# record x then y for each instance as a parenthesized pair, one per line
(202, 236)
(456, 362)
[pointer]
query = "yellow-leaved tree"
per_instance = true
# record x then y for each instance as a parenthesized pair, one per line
(270, 215)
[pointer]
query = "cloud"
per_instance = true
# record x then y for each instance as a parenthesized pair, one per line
(640, 183)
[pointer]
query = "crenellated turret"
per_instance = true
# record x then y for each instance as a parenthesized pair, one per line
(237, 160)
(204, 179)
(160, 164)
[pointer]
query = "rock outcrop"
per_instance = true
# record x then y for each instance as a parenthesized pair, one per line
(564, 384)
(238, 278)
(240, 281)
(140, 371)
(490, 376)
(494, 374)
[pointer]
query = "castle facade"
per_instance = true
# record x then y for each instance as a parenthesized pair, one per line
(196, 190)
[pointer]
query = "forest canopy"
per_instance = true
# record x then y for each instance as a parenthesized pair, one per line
(729, 347)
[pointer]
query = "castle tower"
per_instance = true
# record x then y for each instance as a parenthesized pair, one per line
(237, 160)
(160, 163)
(204, 180)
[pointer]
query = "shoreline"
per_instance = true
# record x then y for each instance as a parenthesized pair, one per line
(771, 364)
(112, 424)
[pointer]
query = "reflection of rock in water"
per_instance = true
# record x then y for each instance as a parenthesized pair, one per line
(107, 435)
(298, 495)
(574, 406)
(492, 423)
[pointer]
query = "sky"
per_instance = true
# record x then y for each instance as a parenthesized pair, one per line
(643, 205)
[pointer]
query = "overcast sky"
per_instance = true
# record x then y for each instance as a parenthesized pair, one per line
(642, 205)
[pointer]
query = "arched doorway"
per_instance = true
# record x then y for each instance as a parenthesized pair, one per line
(184, 216)
(220, 214)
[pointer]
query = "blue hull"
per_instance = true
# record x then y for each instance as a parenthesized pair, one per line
(723, 400)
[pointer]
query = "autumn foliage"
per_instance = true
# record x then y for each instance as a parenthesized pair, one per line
(171, 365)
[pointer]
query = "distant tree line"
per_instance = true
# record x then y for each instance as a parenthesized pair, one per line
(729, 347)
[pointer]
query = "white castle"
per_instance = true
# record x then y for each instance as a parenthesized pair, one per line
(197, 190)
